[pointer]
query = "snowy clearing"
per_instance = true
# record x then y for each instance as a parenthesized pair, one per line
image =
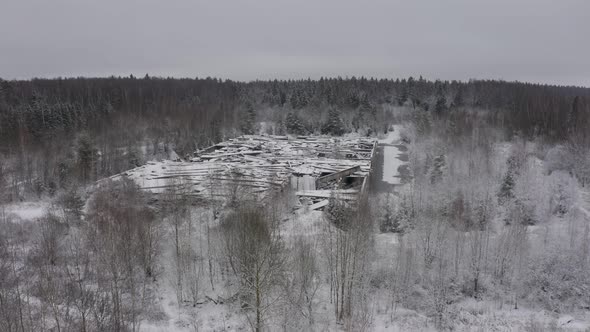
(27, 210)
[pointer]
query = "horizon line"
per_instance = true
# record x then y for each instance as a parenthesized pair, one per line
(309, 78)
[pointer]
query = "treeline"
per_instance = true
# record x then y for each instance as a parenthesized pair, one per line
(61, 130)
(33, 110)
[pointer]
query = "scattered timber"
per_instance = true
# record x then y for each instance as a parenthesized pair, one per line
(258, 165)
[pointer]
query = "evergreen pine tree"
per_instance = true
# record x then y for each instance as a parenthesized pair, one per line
(294, 100)
(506, 189)
(441, 101)
(572, 120)
(458, 100)
(87, 157)
(247, 123)
(437, 171)
(293, 124)
(402, 97)
(334, 125)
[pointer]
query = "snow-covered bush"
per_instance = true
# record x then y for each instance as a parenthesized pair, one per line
(396, 220)
(338, 212)
(532, 193)
(563, 193)
(407, 133)
(559, 282)
(71, 204)
(558, 158)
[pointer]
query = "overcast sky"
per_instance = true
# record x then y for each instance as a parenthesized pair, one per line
(533, 40)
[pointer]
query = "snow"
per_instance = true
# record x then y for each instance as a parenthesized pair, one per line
(570, 322)
(260, 162)
(207, 316)
(304, 223)
(392, 136)
(391, 165)
(27, 210)
(467, 314)
(584, 204)
(391, 157)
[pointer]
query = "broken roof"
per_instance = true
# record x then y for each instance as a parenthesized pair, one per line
(255, 165)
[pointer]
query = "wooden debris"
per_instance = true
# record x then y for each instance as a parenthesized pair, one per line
(346, 194)
(319, 205)
(261, 164)
(323, 180)
(221, 155)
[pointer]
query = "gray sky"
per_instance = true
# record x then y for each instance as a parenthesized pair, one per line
(533, 40)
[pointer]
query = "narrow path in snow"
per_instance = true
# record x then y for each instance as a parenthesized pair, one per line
(389, 168)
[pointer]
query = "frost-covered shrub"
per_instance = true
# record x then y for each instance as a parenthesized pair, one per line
(563, 193)
(506, 192)
(407, 133)
(535, 325)
(338, 212)
(558, 158)
(438, 167)
(532, 193)
(521, 212)
(71, 204)
(559, 282)
(380, 278)
(396, 220)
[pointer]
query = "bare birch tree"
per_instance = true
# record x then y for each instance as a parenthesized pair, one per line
(254, 250)
(348, 242)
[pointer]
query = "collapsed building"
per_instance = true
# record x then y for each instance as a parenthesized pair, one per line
(255, 167)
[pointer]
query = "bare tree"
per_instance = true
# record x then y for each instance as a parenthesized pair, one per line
(15, 306)
(71, 205)
(177, 209)
(347, 248)
(302, 285)
(79, 280)
(47, 258)
(479, 240)
(119, 222)
(254, 250)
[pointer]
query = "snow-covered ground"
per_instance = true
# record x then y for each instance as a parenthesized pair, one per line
(391, 156)
(391, 165)
(468, 314)
(392, 136)
(26, 210)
